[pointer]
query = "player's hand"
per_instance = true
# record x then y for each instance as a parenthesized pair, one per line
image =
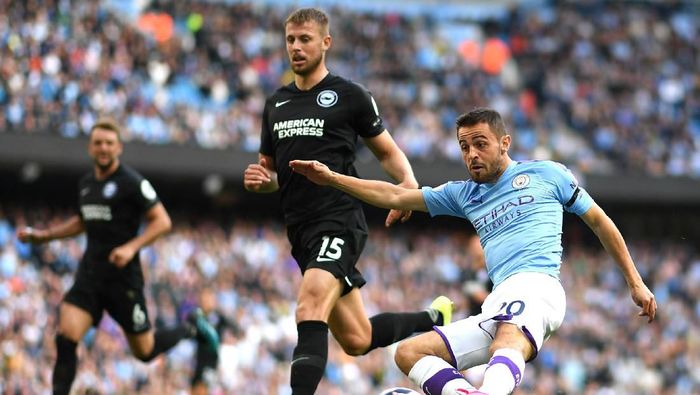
(31, 235)
(257, 177)
(643, 297)
(396, 215)
(315, 171)
(122, 255)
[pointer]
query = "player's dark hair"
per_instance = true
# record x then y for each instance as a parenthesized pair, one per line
(303, 15)
(107, 123)
(483, 115)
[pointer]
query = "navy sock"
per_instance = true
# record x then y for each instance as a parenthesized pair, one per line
(66, 365)
(165, 339)
(310, 356)
(388, 328)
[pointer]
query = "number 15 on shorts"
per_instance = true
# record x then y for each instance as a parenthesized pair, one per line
(330, 249)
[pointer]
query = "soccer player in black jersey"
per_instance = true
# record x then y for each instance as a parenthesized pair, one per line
(320, 116)
(207, 360)
(113, 200)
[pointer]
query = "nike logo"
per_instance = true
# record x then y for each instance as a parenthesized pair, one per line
(299, 359)
(84, 191)
(281, 103)
(478, 200)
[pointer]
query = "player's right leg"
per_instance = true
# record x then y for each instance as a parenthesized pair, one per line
(73, 323)
(318, 293)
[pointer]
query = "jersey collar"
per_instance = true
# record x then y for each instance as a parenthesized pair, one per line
(293, 86)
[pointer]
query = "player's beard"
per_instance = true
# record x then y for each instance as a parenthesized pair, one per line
(310, 66)
(489, 172)
(106, 166)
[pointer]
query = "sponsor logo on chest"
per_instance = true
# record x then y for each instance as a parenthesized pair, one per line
(96, 212)
(299, 127)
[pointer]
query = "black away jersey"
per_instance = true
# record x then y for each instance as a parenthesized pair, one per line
(112, 210)
(320, 124)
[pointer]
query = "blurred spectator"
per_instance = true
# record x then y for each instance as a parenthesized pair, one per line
(598, 350)
(600, 86)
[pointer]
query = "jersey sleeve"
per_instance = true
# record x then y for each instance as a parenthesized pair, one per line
(366, 120)
(266, 145)
(145, 195)
(445, 199)
(567, 190)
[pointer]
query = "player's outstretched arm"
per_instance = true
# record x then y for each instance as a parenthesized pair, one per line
(611, 238)
(70, 227)
(377, 193)
(394, 163)
(261, 177)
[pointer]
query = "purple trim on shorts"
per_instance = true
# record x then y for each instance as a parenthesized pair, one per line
(532, 341)
(484, 329)
(434, 385)
(500, 318)
(514, 370)
(503, 317)
(447, 344)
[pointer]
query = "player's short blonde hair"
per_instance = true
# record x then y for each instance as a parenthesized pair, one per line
(107, 123)
(303, 15)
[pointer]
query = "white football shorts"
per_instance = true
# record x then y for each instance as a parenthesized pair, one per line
(535, 302)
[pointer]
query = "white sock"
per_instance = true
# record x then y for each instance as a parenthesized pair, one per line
(504, 373)
(437, 377)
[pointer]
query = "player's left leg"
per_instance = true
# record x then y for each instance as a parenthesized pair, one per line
(509, 351)
(531, 307)
(359, 335)
(432, 360)
(147, 345)
(127, 305)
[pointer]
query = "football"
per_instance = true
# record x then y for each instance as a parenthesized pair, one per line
(399, 390)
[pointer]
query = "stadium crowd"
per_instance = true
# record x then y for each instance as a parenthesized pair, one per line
(601, 348)
(600, 86)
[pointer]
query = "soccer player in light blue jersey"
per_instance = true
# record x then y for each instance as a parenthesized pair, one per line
(517, 209)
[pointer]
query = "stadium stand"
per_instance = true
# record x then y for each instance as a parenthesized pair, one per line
(600, 349)
(600, 86)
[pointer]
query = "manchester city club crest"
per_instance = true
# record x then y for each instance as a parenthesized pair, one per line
(521, 181)
(327, 98)
(109, 189)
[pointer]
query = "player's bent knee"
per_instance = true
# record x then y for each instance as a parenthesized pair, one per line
(311, 310)
(142, 356)
(354, 340)
(407, 355)
(355, 345)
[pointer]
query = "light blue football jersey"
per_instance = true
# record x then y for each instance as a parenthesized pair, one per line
(518, 218)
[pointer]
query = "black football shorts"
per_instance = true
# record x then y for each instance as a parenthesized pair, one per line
(333, 244)
(123, 302)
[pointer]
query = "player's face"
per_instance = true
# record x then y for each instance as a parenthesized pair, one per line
(484, 154)
(306, 46)
(104, 148)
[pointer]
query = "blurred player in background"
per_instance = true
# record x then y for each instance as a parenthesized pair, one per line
(320, 116)
(207, 359)
(516, 208)
(113, 200)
